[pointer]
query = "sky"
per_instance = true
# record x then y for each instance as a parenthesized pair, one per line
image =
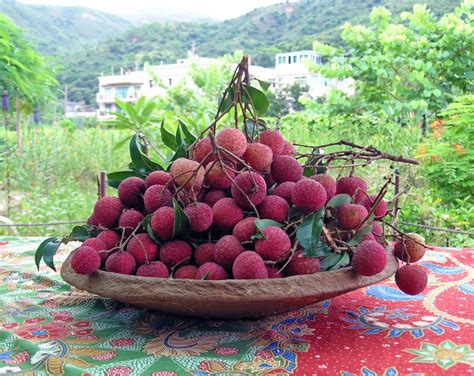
(216, 9)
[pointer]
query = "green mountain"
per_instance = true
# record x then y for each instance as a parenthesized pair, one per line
(57, 30)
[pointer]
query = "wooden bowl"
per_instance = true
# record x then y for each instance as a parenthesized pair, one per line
(229, 299)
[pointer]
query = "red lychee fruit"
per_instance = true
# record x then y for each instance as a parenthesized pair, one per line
(350, 216)
(95, 243)
(308, 195)
(275, 246)
(157, 196)
(120, 262)
(411, 249)
(202, 149)
(245, 229)
(273, 139)
(159, 178)
(258, 156)
(288, 149)
(369, 236)
(380, 209)
(211, 271)
(226, 251)
(187, 173)
(110, 238)
(154, 269)
(186, 272)
(92, 220)
(107, 211)
(252, 187)
(328, 183)
(143, 249)
(226, 213)
(130, 192)
(162, 223)
(219, 177)
(233, 140)
(200, 216)
(85, 260)
(284, 190)
(249, 265)
(286, 168)
(301, 264)
(274, 207)
(349, 185)
(129, 220)
(274, 272)
(377, 232)
(411, 279)
(369, 259)
(213, 196)
(204, 253)
(175, 252)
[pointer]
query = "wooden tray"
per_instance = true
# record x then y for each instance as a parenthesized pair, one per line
(229, 299)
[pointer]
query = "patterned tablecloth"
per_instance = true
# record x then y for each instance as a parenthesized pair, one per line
(47, 327)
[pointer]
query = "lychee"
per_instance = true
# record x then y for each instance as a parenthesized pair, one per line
(288, 149)
(249, 265)
(130, 192)
(203, 149)
(245, 229)
(328, 183)
(162, 223)
(285, 190)
(85, 260)
(274, 272)
(219, 176)
(411, 249)
(350, 216)
(349, 185)
(120, 262)
(286, 168)
(186, 272)
(308, 195)
(155, 269)
(211, 271)
(92, 220)
(258, 156)
(159, 178)
(95, 243)
(187, 173)
(226, 250)
(107, 211)
(301, 264)
(274, 207)
(233, 140)
(411, 279)
(175, 252)
(200, 216)
(249, 188)
(129, 220)
(226, 213)
(110, 238)
(204, 253)
(143, 249)
(377, 231)
(273, 139)
(370, 258)
(213, 196)
(157, 196)
(275, 245)
(380, 209)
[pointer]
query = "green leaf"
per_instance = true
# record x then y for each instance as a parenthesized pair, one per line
(40, 251)
(360, 235)
(181, 225)
(115, 178)
(228, 102)
(122, 142)
(308, 171)
(142, 163)
(189, 137)
(168, 138)
(147, 226)
(49, 250)
(179, 138)
(257, 98)
(332, 260)
(391, 205)
(309, 231)
(260, 224)
(294, 213)
(343, 261)
(80, 233)
(339, 200)
(264, 85)
(180, 153)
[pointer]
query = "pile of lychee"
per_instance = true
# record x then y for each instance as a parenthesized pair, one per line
(226, 184)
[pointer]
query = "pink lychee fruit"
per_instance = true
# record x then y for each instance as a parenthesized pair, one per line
(411, 279)
(369, 259)
(377, 231)
(211, 271)
(203, 149)
(380, 209)
(159, 178)
(213, 196)
(219, 176)
(200, 216)
(155, 269)
(204, 253)
(187, 173)
(162, 223)
(157, 196)
(107, 211)
(130, 192)
(258, 156)
(95, 243)
(350, 216)
(350, 185)
(226, 213)
(226, 251)
(143, 249)
(186, 272)
(249, 188)
(129, 220)
(286, 168)
(249, 265)
(273, 139)
(245, 229)
(328, 183)
(301, 264)
(120, 262)
(411, 249)
(285, 190)
(85, 260)
(288, 149)
(233, 140)
(273, 207)
(175, 252)
(308, 195)
(110, 238)
(274, 272)
(275, 245)
(92, 220)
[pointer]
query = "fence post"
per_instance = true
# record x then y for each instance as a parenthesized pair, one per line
(423, 125)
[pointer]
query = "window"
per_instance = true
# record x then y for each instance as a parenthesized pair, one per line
(108, 108)
(294, 58)
(289, 59)
(151, 83)
(170, 81)
(121, 92)
(109, 92)
(301, 80)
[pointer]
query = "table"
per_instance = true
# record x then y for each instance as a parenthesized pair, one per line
(47, 327)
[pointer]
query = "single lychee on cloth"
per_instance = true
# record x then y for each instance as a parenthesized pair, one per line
(411, 279)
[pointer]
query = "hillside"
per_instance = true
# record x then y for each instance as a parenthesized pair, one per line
(57, 30)
(261, 33)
